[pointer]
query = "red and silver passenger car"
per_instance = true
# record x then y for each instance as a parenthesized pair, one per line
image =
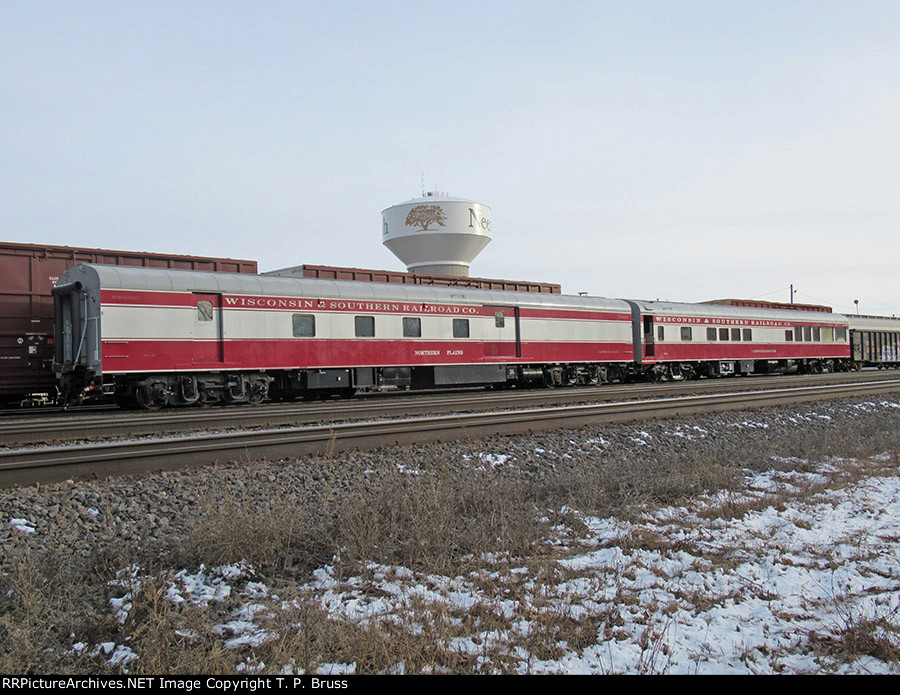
(28, 273)
(675, 340)
(159, 337)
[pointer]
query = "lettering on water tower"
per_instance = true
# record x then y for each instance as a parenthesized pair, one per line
(483, 222)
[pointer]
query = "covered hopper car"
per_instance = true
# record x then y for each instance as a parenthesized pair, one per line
(875, 341)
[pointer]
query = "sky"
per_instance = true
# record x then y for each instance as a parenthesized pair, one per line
(681, 150)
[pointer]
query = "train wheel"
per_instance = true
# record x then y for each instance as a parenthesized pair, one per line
(257, 397)
(552, 378)
(144, 398)
(207, 398)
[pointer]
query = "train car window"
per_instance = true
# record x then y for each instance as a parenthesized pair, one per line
(460, 328)
(817, 334)
(798, 333)
(711, 334)
(687, 333)
(789, 335)
(204, 311)
(365, 326)
(723, 334)
(412, 327)
(499, 320)
(840, 334)
(304, 325)
(807, 334)
(735, 333)
(660, 332)
(748, 335)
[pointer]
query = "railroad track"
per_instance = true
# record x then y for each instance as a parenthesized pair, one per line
(100, 425)
(47, 464)
(50, 410)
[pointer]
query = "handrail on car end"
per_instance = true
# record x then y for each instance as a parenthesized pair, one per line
(68, 288)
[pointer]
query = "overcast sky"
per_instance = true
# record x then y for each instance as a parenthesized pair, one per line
(661, 149)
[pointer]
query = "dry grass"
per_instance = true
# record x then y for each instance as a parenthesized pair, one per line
(607, 486)
(41, 605)
(286, 532)
(436, 520)
(876, 636)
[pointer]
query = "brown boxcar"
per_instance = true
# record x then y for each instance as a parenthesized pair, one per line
(328, 272)
(28, 273)
(765, 304)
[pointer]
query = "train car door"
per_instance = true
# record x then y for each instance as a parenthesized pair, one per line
(649, 344)
(502, 337)
(206, 338)
(856, 346)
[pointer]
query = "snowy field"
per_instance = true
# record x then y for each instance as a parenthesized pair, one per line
(777, 590)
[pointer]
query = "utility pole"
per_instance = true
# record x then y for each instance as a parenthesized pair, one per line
(792, 293)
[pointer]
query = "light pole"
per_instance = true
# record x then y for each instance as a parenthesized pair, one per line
(856, 301)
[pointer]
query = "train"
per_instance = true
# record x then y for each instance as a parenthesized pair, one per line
(28, 273)
(156, 337)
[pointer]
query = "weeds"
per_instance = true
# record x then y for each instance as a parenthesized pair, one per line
(876, 635)
(434, 521)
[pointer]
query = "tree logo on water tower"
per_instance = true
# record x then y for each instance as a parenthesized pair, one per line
(422, 216)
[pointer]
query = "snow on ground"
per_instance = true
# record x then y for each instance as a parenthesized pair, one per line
(746, 595)
(22, 526)
(774, 586)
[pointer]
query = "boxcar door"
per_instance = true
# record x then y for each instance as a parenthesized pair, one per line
(502, 337)
(206, 338)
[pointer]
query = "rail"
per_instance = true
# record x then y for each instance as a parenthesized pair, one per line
(47, 464)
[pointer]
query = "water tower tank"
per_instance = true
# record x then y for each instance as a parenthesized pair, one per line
(437, 234)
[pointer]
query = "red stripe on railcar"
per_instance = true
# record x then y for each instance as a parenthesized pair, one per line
(312, 353)
(733, 322)
(142, 298)
(749, 351)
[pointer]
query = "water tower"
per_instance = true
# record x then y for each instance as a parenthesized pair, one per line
(437, 234)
